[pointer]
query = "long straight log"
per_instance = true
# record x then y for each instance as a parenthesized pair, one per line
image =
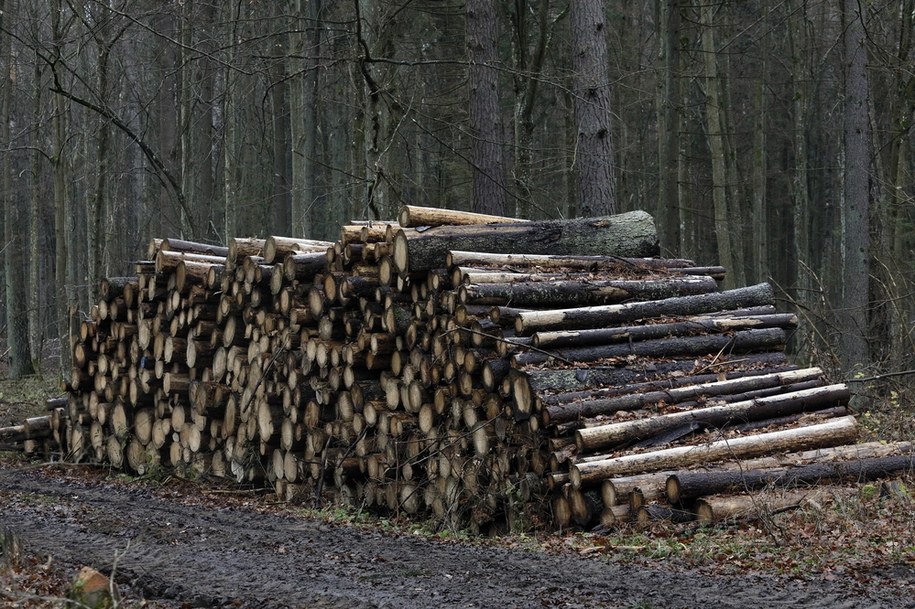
(582, 292)
(560, 261)
(530, 385)
(832, 433)
(737, 342)
(594, 438)
(414, 216)
(644, 396)
(689, 327)
(752, 506)
(690, 485)
(192, 247)
(603, 316)
(629, 234)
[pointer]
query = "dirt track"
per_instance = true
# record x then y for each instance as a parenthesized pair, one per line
(214, 556)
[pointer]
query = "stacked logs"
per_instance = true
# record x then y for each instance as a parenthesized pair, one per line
(408, 368)
(40, 435)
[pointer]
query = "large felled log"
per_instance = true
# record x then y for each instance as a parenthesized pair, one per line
(582, 292)
(738, 342)
(690, 485)
(751, 506)
(593, 438)
(644, 396)
(528, 386)
(609, 263)
(630, 234)
(832, 433)
(414, 216)
(603, 316)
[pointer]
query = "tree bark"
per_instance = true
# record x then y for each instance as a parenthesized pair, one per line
(668, 116)
(631, 234)
(688, 327)
(581, 293)
(594, 151)
(602, 436)
(14, 243)
(645, 396)
(738, 342)
(690, 485)
(487, 153)
(853, 348)
(603, 316)
(715, 131)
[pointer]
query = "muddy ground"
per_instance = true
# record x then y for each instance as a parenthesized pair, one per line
(177, 550)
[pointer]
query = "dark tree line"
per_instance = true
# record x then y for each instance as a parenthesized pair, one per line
(772, 137)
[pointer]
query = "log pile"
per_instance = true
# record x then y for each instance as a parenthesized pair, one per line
(472, 369)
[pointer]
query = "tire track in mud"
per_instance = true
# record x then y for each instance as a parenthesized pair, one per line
(214, 557)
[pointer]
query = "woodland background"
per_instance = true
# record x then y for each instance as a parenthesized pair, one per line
(773, 137)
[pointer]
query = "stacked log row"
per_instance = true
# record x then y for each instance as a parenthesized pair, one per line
(40, 435)
(485, 371)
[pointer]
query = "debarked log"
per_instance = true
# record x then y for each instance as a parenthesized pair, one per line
(414, 216)
(832, 433)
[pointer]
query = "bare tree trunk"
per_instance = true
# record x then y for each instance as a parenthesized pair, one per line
(800, 76)
(715, 134)
(760, 223)
(281, 202)
(528, 64)
(62, 277)
(98, 208)
(594, 158)
(487, 153)
(668, 113)
(304, 118)
(203, 121)
(854, 315)
(230, 130)
(14, 243)
(381, 114)
(36, 253)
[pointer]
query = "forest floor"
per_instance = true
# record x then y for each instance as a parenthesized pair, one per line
(180, 544)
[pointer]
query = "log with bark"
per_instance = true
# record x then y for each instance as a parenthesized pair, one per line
(602, 436)
(832, 433)
(603, 316)
(631, 234)
(685, 486)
